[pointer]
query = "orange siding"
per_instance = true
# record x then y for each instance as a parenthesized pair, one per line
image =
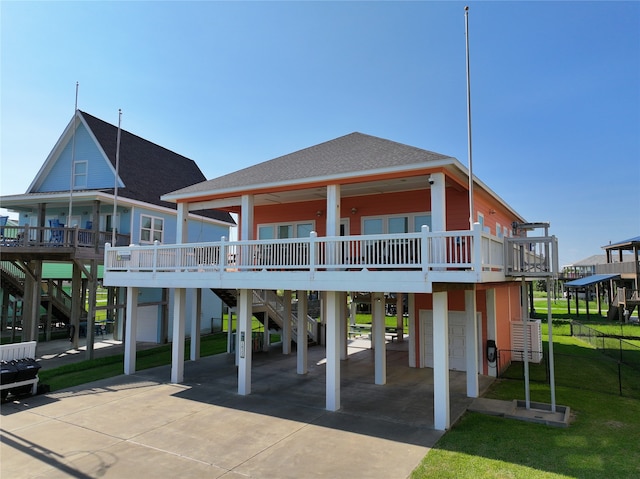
(481, 307)
(493, 213)
(457, 209)
(370, 205)
(457, 215)
(508, 308)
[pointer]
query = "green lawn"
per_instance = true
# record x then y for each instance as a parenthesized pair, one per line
(101, 368)
(602, 440)
(559, 308)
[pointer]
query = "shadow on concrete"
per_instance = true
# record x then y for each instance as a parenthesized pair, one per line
(400, 410)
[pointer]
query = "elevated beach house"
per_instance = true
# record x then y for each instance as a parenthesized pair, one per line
(354, 217)
(71, 210)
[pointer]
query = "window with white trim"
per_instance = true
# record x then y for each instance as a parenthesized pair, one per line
(285, 230)
(498, 230)
(80, 174)
(151, 229)
(411, 223)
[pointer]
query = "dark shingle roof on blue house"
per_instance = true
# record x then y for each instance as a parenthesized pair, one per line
(148, 170)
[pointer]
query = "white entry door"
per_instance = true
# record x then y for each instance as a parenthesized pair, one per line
(147, 330)
(457, 339)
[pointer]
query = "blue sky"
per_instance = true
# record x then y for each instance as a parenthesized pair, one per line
(555, 90)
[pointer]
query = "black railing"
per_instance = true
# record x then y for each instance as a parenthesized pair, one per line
(606, 374)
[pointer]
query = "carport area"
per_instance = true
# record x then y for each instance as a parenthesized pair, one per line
(140, 425)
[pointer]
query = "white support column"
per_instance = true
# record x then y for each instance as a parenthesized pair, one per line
(491, 328)
(179, 303)
(177, 345)
(131, 327)
(438, 202)
(332, 349)
(414, 362)
(266, 340)
(344, 328)
(196, 322)
(471, 333)
(286, 326)
(301, 338)
(230, 335)
(245, 304)
(246, 217)
(441, 412)
(182, 229)
(333, 210)
(353, 309)
(525, 341)
(400, 316)
(380, 346)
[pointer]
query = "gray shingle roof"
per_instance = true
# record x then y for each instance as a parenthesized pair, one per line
(350, 154)
(600, 259)
(148, 170)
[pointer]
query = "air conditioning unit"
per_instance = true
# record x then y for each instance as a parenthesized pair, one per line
(534, 336)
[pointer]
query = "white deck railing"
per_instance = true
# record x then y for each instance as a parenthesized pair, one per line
(537, 256)
(59, 236)
(466, 250)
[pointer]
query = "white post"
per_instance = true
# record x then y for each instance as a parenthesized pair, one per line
(246, 217)
(266, 340)
(414, 362)
(353, 309)
(552, 376)
(380, 347)
(441, 411)
(245, 343)
(177, 345)
(131, 327)
(438, 202)
(196, 321)
(344, 328)
(471, 338)
(333, 210)
(182, 229)
(286, 323)
(230, 336)
(525, 341)
(301, 338)
(333, 354)
(400, 316)
(477, 248)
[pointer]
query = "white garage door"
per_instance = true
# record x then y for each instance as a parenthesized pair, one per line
(457, 339)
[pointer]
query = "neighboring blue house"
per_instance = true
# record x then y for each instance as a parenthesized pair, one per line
(59, 223)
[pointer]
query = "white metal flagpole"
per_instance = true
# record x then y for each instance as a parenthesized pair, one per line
(466, 34)
(115, 188)
(73, 158)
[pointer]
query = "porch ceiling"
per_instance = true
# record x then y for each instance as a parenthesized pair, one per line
(320, 193)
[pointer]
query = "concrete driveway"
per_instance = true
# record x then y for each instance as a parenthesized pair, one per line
(142, 426)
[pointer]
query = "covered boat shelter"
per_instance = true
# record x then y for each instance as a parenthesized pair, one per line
(584, 285)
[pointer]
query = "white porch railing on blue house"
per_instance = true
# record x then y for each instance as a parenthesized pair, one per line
(465, 250)
(59, 236)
